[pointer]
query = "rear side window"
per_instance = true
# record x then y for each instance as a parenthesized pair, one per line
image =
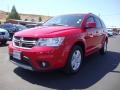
(103, 25)
(98, 23)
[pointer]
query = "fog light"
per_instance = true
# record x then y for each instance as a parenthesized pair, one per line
(43, 64)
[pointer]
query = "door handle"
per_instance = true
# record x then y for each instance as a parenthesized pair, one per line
(91, 35)
(97, 32)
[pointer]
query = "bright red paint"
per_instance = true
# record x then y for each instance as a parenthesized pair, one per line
(91, 39)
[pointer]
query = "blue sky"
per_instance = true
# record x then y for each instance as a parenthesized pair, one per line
(108, 10)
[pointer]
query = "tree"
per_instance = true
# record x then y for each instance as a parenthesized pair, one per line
(13, 14)
(40, 19)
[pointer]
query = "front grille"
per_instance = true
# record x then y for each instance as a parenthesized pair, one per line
(2, 33)
(25, 42)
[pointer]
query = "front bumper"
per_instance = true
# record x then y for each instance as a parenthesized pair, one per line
(39, 58)
(23, 66)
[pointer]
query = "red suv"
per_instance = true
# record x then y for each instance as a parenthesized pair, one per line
(62, 42)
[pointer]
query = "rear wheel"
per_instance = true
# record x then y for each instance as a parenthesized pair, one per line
(74, 60)
(103, 50)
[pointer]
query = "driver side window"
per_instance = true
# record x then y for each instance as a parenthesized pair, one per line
(89, 19)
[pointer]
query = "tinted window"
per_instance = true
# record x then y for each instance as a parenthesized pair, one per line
(103, 25)
(20, 27)
(67, 20)
(89, 19)
(98, 23)
(5, 26)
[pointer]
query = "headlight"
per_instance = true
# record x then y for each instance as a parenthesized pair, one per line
(50, 41)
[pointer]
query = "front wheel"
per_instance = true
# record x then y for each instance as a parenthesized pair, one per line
(74, 60)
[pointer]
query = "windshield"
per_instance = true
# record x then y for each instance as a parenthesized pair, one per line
(5, 26)
(20, 27)
(65, 20)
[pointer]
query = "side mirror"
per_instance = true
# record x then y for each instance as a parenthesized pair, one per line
(90, 25)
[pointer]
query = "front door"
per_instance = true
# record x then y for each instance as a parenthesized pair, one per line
(90, 37)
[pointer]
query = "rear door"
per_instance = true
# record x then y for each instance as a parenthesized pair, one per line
(99, 32)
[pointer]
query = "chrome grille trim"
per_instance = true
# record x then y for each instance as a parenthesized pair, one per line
(22, 42)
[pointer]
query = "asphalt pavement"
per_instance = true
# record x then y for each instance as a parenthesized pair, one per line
(97, 73)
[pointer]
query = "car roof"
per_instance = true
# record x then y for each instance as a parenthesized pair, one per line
(3, 30)
(80, 14)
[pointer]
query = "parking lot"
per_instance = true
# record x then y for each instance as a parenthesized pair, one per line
(97, 73)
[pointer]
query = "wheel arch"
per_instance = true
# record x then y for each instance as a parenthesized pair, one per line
(81, 44)
(78, 43)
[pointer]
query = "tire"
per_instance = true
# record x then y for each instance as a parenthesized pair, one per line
(4, 42)
(74, 60)
(103, 50)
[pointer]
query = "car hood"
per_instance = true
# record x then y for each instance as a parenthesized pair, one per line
(45, 31)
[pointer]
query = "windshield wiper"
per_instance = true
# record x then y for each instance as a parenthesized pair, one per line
(55, 24)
